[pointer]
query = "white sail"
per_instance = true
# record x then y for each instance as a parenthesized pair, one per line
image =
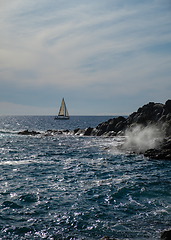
(63, 112)
(66, 111)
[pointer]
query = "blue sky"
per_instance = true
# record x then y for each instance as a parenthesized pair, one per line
(104, 57)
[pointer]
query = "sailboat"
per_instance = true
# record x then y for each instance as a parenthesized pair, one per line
(63, 112)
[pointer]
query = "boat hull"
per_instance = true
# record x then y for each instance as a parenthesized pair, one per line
(61, 118)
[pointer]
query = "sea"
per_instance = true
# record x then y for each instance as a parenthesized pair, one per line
(78, 187)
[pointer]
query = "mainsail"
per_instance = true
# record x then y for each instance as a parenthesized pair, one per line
(63, 112)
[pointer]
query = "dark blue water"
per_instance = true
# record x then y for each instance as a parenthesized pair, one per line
(73, 187)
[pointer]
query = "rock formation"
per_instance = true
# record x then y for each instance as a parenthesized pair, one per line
(153, 114)
(27, 132)
(166, 235)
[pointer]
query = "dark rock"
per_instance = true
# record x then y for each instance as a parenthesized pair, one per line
(129, 120)
(97, 132)
(141, 119)
(56, 132)
(120, 126)
(116, 124)
(111, 125)
(163, 152)
(109, 134)
(102, 127)
(167, 107)
(107, 238)
(26, 132)
(66, 131)
(53, 132)
(166, 235)
(166, 128)
(75, 131)
(80, 132)
(88, 131)
(151, 114)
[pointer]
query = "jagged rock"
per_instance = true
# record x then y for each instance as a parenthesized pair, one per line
(26, 132)
(166, 235)
(53, 132)
(109, 134)
(66, 131)
(151, 114)
(163, 152)
(167, 106)
(80, 132)
(88, 131)
(74, 131)
(116, 124)
(166, 128)
(96, 132)
(103, 126)
(107, 238)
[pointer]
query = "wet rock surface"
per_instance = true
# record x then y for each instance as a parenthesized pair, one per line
(27, 132)
(107, 238)
(163, 152)
(166, 235)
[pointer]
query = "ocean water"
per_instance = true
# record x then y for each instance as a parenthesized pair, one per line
(76, 187)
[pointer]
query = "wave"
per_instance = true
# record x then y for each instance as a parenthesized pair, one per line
(7, 132)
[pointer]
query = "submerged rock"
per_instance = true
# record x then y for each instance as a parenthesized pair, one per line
(26, 132)
(107, 238)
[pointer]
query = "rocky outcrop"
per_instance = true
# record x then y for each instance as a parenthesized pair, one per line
(107, 238)
(157, 114)
(162, 152)
(165, 235)
(151, 114)
(26, 132)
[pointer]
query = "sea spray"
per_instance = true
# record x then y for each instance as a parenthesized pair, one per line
(70, 187)
(139, 139)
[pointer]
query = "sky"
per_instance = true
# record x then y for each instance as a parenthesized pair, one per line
(104, 57)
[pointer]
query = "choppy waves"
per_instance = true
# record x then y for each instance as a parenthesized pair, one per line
(73, 187)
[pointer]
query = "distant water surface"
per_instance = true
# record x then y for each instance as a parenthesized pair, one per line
(75, 187)
(42, 123)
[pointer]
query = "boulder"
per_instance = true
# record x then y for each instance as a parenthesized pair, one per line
(80, 132)
(88, 131)
(96, 132)
(162, 153)
(74, 131)
(107, 238)
(166, 235)
(102, 126)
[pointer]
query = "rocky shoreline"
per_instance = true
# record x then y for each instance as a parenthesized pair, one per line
(153, 120)
(165, 235)
(150, 123)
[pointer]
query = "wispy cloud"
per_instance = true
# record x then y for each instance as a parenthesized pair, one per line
(107, 48)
